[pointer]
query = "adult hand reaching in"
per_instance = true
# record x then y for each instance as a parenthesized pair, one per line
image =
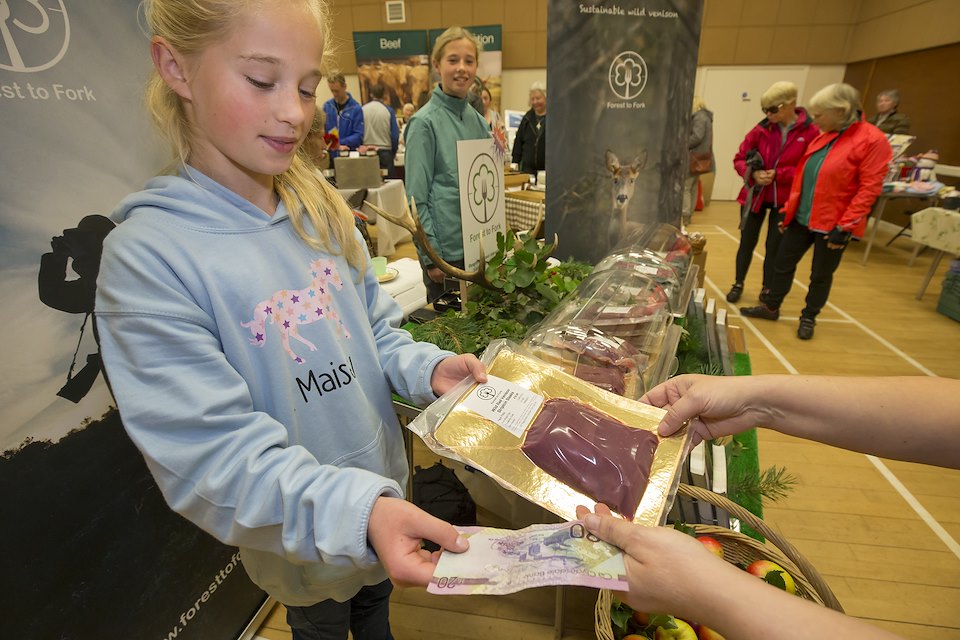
(715, 406)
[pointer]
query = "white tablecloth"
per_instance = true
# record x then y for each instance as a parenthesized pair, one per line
(407, 288)
(390, 197)
(938, 228)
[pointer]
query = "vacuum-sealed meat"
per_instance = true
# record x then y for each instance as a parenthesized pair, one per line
(610, 378)
(595, 345)
(592, 452)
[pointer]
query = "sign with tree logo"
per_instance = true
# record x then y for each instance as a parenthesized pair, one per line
(481, 198)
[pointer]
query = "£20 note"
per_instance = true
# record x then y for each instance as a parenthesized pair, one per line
(501, 561)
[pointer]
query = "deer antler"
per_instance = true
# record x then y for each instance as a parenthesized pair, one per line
(411, 222)
(538, 229)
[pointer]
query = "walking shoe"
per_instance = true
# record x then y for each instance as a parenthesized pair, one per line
(735, 292)
(762, 311)
(805, 330)
(763, 295)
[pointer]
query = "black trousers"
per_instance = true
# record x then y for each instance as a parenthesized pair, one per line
(797, 239)
(437, 289)
(749, 236)
(386, 157)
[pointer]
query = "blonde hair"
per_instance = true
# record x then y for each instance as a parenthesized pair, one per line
(782, 92)
(190, 26)
(698, 104)
(450, 35)
(838, 96)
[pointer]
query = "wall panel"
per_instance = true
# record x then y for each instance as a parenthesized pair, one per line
(926, 95)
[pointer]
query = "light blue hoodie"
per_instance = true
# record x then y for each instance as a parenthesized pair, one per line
(254, 373)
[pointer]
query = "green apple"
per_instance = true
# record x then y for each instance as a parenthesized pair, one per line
(774, 574)
(712, 544)
(683, 632)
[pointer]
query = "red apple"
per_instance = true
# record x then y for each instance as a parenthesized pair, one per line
(712, 544)
(634, 636)
(774, 574)
(706, 633)
(683, 632)
(641, 618)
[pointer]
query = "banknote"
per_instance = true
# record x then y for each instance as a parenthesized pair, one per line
(502, 561)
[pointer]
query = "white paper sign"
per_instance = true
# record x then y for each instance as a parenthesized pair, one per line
(505, 403)
(481, 198)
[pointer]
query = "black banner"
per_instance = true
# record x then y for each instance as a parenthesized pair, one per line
(621, 77)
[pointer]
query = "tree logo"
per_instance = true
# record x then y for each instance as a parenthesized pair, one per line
(627, 75)
(34, 37)
(483, 188)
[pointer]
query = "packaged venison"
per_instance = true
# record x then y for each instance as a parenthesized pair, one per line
(556, 440)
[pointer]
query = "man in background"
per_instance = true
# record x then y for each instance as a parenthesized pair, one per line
(380, 129)
(344, 114)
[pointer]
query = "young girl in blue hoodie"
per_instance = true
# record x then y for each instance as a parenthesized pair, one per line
(248, 343)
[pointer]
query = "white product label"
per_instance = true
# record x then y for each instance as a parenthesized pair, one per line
(507, 404)
(616, 311)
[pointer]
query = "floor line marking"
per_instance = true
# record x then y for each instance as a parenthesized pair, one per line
(870, 332)
(885, 471)
(921, 511)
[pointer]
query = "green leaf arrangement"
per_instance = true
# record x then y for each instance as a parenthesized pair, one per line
(527, 288)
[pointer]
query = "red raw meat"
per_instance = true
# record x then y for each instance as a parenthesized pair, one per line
(592, 452)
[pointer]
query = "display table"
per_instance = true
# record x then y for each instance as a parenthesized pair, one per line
(524, 208)
(938, 229)
(881, 204)
(407, 288)
(391, 198)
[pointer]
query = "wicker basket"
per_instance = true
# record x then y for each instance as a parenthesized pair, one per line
(740, 549)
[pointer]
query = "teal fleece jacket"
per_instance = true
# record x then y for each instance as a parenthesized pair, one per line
(431, 168)
(255, 374)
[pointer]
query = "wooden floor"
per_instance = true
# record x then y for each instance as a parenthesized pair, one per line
(856, 518)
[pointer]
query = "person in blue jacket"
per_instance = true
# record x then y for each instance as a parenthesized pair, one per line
(344, 114)
(250, 348)
(430, 138)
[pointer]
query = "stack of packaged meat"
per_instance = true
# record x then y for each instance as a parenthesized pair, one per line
(604, 361)
(608, 332)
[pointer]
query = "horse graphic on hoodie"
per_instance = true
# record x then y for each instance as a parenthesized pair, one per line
(287, 309)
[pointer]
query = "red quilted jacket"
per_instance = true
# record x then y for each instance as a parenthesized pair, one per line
(766, 138)
(850, 179)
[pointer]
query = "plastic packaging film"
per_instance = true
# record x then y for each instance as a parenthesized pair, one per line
(596, 443)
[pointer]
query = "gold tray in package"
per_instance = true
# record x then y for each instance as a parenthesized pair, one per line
(555, 420)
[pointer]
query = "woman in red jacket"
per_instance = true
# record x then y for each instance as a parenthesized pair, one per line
(767, 160)
(836, 184)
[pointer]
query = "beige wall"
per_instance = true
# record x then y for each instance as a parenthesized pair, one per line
(735, 32)
(888, 27)
(524, 25)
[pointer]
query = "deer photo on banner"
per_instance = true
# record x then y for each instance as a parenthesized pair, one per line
(617, 153)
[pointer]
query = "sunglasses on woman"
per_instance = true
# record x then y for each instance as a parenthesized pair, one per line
(771, 110)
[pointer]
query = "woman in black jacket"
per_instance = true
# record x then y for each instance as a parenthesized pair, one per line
(529, 147)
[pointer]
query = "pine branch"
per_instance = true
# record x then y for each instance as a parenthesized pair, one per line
(772, 484)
